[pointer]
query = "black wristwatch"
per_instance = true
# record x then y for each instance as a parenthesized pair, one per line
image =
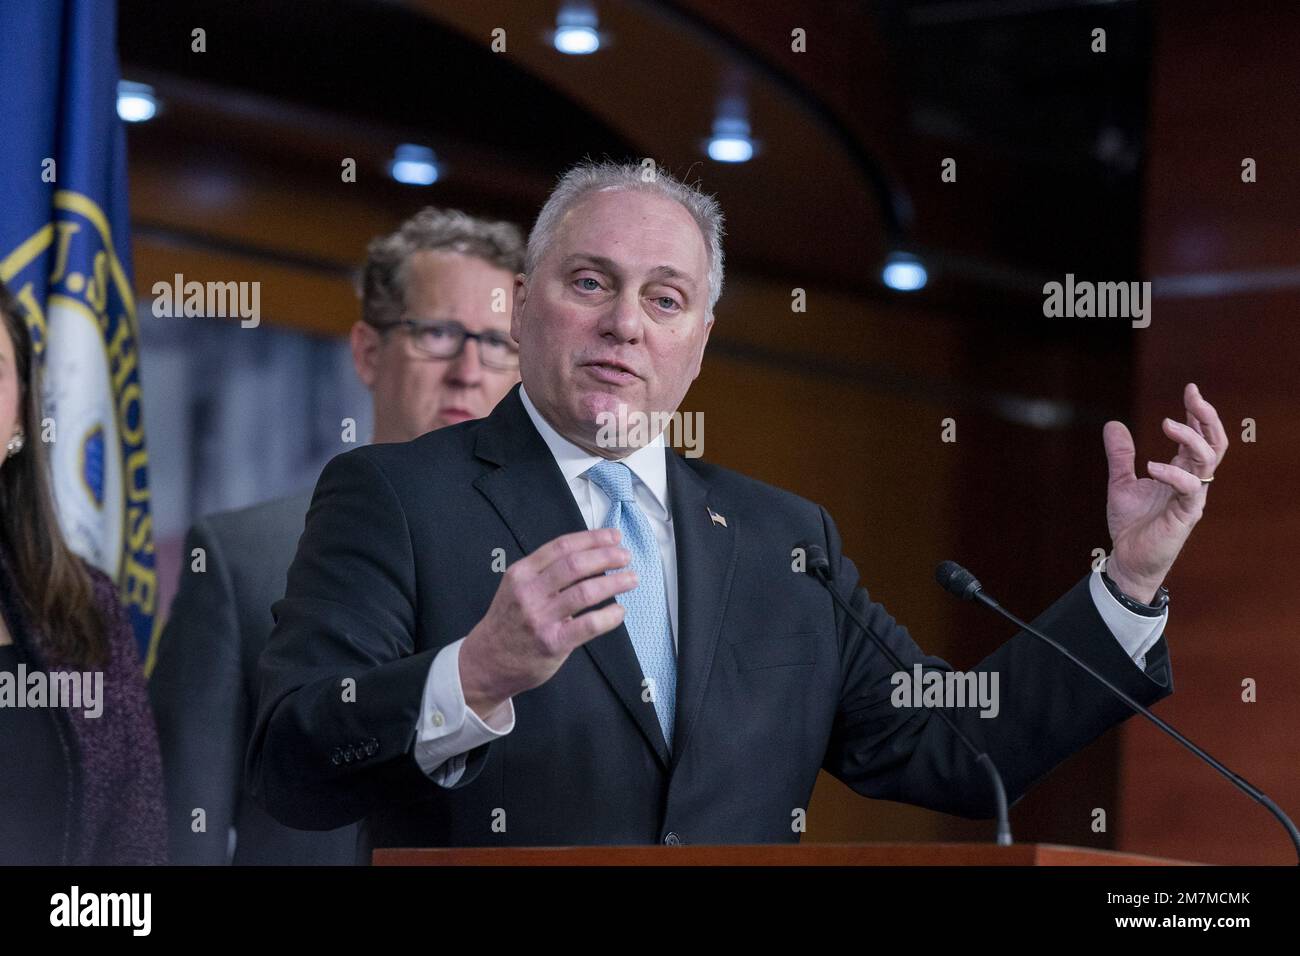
(1154, 609)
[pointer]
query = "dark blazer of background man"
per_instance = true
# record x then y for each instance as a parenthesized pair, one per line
(397, 587)
(440, 265)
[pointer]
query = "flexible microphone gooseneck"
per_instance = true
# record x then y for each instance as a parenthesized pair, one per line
(954, 578)
(819, 566)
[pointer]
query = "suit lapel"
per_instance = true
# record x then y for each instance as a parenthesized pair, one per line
(527, 489)
(530, 494)
(706, 559)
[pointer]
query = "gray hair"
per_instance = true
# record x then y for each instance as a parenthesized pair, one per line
(383, 280)
(588, 177)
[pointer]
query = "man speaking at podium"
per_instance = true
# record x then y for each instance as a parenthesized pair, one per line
(447, 666)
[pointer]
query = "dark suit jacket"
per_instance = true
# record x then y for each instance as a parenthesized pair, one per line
(773, 682)
(204, 690)
(112, 812)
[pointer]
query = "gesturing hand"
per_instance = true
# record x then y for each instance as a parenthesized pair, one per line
(535, 620)
(1150, 518)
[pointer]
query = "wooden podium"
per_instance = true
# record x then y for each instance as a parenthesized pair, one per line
(810, 854)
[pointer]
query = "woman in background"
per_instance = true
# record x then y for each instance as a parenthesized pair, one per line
(76, 786)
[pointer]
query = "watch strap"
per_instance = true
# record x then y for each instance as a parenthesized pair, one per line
(1155, 609)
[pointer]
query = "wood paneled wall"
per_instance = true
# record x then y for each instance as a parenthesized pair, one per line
(1225, 89)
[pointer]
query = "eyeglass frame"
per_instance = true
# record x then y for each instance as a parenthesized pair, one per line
(414, 325)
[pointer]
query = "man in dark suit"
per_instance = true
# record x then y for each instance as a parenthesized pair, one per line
(447, 665)
(440, 278)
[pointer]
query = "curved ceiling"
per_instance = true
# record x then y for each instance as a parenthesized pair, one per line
(851, 133)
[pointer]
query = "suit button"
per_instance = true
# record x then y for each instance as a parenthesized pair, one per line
(336, 757)
(672, 839)
(371, 746)
(349, 755)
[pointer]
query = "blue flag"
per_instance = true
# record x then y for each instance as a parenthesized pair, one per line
(65, 254)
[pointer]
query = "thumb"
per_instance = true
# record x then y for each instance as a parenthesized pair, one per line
(1119, 451)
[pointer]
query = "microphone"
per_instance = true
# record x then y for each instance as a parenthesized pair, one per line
(819, 567)
(954, 578)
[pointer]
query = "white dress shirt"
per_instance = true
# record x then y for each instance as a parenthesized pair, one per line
(448, 729)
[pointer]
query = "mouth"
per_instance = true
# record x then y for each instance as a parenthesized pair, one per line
(455, 414)
(613, 372)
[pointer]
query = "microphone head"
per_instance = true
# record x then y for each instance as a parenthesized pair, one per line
(954, 578)
(818, 563)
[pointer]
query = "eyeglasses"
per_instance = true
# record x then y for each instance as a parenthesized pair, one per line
(446, 340)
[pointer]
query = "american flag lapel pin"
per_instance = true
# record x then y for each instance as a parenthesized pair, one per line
(717, 518)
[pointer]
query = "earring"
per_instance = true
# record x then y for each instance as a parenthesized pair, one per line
(16, 443)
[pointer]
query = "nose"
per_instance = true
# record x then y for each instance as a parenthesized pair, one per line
(466, 369)
(622, 320)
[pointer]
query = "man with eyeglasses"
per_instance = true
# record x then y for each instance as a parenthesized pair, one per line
(434, 348)
(423, 302)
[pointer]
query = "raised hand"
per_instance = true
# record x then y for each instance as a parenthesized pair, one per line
(1150, 518)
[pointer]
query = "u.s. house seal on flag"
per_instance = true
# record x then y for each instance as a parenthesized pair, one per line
(86, 341)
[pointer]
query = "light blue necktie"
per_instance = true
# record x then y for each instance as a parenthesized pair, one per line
(646, 617)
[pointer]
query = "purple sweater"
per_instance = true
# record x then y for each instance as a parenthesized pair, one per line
(121, 815)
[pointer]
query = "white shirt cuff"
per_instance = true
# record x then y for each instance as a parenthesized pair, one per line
(1136, 633)
(447, 729)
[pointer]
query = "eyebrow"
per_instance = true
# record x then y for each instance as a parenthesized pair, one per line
(606, 264)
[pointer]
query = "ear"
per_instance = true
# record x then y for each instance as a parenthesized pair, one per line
(517, 306)
(699, 359)
(366, 341)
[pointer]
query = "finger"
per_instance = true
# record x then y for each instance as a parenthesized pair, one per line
(1184, 483)
(569, 568)
(1197, 448)
(1119, 451)
(584, 627)
(575, 541)
(590, 592)
(1211, 427)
